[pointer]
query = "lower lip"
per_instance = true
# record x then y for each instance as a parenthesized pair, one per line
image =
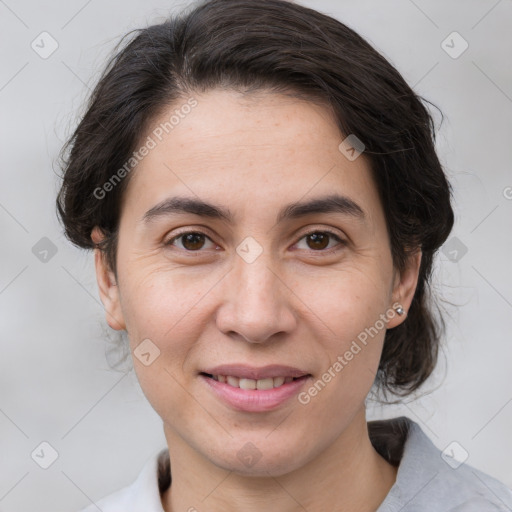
(252, 400)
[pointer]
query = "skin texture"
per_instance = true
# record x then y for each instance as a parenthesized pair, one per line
(296, 304)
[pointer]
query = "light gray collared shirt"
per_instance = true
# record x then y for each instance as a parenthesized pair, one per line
(430, 481)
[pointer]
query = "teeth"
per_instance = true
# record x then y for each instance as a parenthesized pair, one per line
(278, 381)
(267, 383)
(264, 383)
(233, 381)
(247, 383)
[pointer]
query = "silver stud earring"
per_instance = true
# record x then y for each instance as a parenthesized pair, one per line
(400, 310)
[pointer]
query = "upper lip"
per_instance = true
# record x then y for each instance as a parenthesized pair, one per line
(251, 372)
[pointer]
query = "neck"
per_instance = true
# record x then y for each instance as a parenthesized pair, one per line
(348, 475)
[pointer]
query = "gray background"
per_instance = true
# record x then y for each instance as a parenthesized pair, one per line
(55, 381)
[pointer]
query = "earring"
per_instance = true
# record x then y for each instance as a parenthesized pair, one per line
(400, 310)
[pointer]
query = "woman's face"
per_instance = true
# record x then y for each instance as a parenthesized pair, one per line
(260, 281)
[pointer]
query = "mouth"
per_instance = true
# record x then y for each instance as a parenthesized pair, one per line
(256, 390)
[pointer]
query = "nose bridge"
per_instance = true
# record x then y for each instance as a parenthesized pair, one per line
(258, 306)
(257, 282)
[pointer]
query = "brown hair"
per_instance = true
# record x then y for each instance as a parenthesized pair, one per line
(283, 47)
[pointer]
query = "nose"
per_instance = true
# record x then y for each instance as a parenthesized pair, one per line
(257, 304)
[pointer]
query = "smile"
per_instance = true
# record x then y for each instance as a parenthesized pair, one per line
(253, 395)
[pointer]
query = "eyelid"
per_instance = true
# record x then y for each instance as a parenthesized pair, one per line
(188, 230)
(320, 229)
(342, 241)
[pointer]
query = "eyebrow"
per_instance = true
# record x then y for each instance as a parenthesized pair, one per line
(333, 203)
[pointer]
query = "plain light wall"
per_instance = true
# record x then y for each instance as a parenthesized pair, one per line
(56, 385)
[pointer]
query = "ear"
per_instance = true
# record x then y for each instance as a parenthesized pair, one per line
(108, 289)
(404, 287)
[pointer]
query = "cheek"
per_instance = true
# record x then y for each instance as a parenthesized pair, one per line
(346, 302)
(350, 318)
(164, 309)
(170, 309)
(163, 304)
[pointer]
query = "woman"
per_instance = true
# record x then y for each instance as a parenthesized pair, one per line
(264, 200)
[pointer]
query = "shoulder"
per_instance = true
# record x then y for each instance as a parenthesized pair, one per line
(429, 479)
(142, 494)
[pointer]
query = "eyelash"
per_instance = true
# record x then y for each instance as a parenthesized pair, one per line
(340, 241)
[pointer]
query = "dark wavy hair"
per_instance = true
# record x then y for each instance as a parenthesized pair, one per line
(276, 46)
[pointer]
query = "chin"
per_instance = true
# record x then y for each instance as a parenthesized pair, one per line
(260, 459)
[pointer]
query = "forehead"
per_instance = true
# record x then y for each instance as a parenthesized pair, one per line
(256, 149)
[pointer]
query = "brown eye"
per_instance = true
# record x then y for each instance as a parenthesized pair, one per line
(193, 241)
(318, 240)
(321, 240)
(190, 241)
